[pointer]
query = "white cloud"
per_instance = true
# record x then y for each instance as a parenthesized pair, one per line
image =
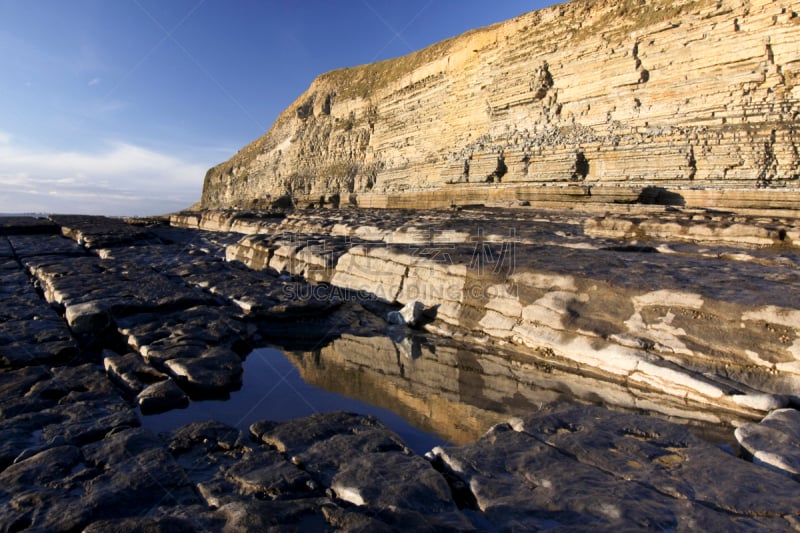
(124, 179)
(94, 81)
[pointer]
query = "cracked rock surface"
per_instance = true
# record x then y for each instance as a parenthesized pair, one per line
(99, 324)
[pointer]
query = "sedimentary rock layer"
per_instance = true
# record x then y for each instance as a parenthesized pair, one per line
(713, 322)
(613, 97)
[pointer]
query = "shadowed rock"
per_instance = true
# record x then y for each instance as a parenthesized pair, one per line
(775, 441)
(623, 470)
(161, 396)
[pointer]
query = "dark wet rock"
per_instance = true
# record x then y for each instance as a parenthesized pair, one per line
(183, 333)
(367, 520)
(666, 457)
(211, 435)
(214, 370)
(259, 293)
(267, 473)
(365, 464)
(621, 471)
(161, 396)
(394, 480)
(120, 446)
(226, 469)
(57, 406)
(130, 372)
(295, 436)
(279, 515)
(774, 442)
(216, 491)
(205, 449)
(44, 339)
(46, 509)
(135, 472)
(354, 520)
(43, 491)
(119, 289)
(73, 384)
(326, 457)
(350, 317)
(15, 384)
(89, 317)
(98, 231)
(21, 436)
(160, 353)
(64, 279)
(261, 427)
(128, 473)
(88, 421)
(166, 524)
(138, 483)
(21, 225)
(30, 246)
(83, 403)
(48, 467)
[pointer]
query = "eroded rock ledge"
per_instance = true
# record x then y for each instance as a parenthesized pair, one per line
(102, 321)
(701, 305)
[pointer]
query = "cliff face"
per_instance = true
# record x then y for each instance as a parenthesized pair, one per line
(635, 93)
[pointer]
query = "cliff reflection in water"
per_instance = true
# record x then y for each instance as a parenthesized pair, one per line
(458, 393)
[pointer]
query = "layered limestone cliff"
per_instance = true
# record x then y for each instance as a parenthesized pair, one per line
(608, 96)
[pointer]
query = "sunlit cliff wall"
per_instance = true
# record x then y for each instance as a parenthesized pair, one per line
(700, 94)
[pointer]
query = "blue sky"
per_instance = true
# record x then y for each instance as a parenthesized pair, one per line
(118, 107)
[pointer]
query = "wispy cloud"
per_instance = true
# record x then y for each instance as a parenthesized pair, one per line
(122, 179)
(94, 81)
(106, 106)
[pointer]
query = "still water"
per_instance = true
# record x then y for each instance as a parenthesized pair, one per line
(428, 389)
(273, 389)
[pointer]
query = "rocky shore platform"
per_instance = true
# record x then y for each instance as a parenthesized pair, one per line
(633, 368)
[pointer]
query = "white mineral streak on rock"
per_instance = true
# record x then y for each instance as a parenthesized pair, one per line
(789, 318)
(760, 402)
(662, 332)
(605, 356)
(372, 271)
(775, 315)
(348, 494)
(674, 381)
(550, 309)
(753, 356)
(497, 324)
(545, 281)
